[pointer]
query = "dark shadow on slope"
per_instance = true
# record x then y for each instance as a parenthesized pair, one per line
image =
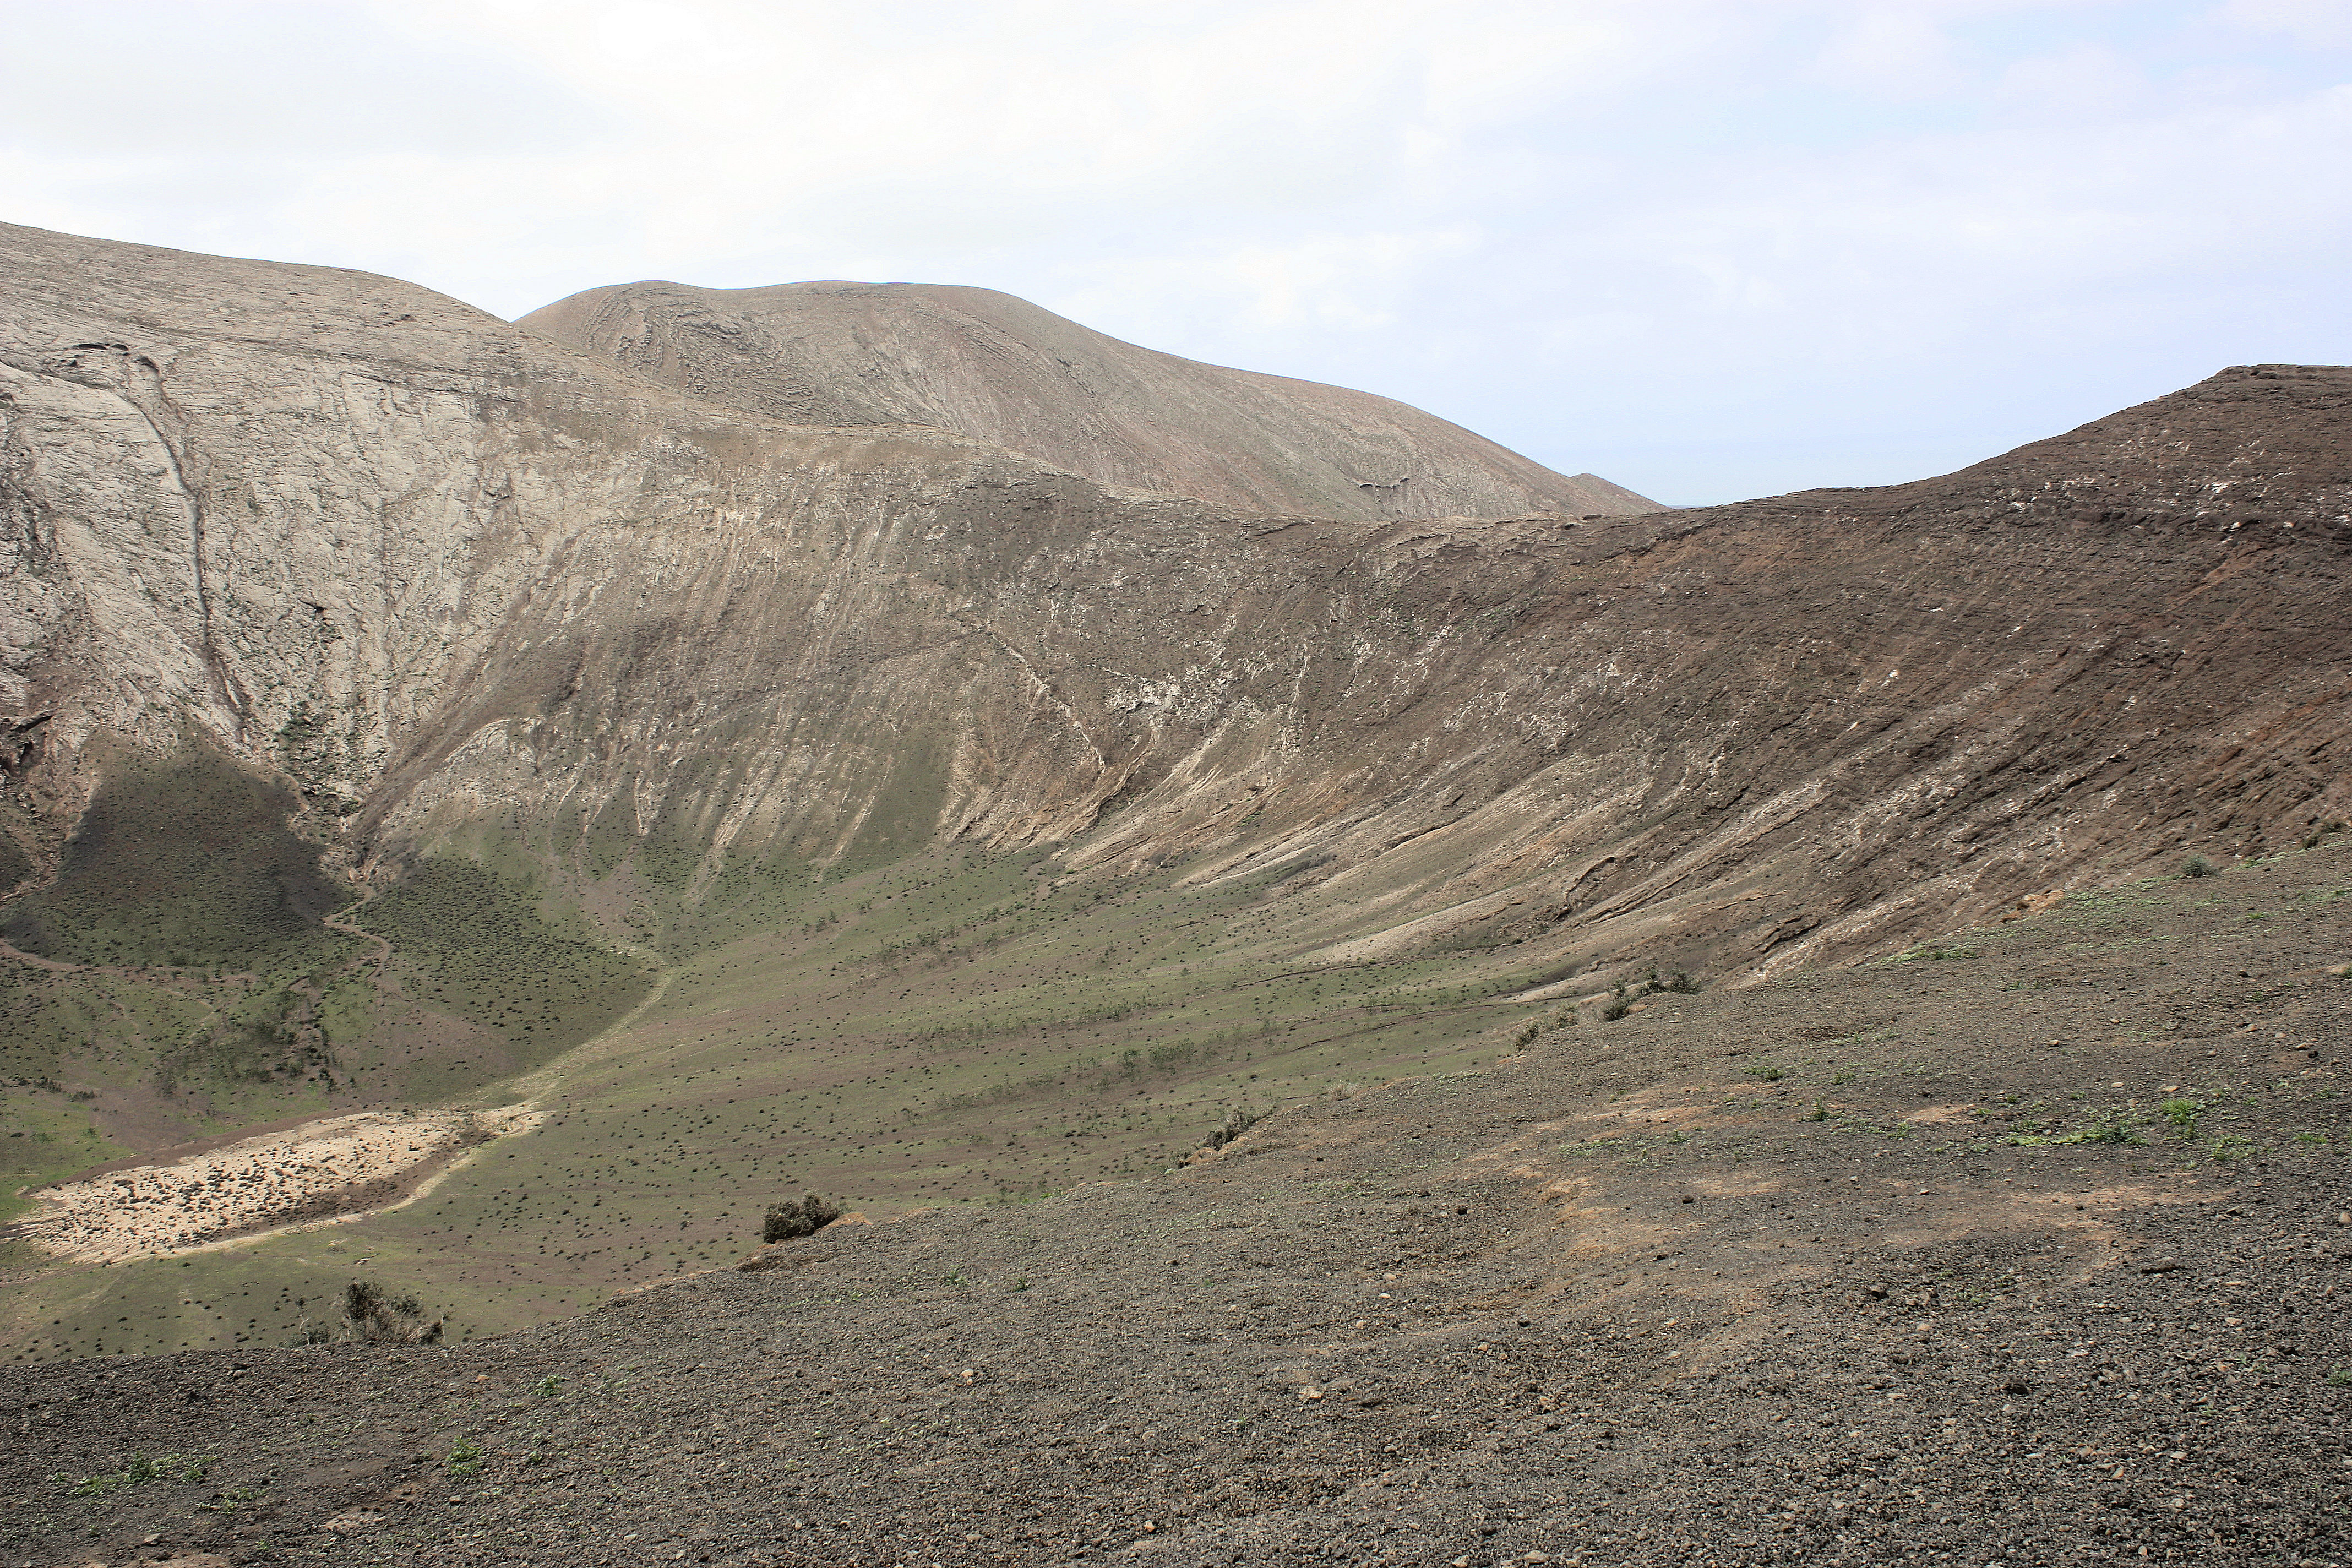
(184, 860)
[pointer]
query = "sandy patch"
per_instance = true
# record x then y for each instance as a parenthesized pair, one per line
(316, 1171)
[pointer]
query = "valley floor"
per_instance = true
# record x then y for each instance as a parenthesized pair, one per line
(312, 1172)
(2020, 1247)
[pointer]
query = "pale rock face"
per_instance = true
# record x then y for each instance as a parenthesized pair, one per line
(1001, 369)
(101, 561)
(454, 573)
(235, 492)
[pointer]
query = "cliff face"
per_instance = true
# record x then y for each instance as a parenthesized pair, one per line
(444, 574)
(1001, 370)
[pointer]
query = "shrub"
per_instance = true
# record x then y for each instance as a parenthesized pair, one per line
(2198, 866)
(1681, 985)
(2183, 1114)
(373, 1317)
(790, 1219)
(143, 1470)
(1237, 1121)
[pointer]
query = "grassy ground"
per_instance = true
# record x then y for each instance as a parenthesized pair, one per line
(182, 861)
(956, 1030)
(2021, 1243)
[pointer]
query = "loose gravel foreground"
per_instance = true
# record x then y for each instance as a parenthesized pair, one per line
(2021, 1248)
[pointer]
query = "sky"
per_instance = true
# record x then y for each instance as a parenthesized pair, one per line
(1706, 248)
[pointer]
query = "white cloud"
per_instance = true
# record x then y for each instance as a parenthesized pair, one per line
(2325, 22)
(1704, 247)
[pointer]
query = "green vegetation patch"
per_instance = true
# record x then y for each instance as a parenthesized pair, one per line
(15, 864)
(484, 953)
(184, 860)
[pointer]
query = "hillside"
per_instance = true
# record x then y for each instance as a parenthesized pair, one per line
(407, 713)
(2017, 1247)
(1001, 370)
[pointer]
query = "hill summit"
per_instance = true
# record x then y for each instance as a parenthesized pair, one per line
(1001, 369)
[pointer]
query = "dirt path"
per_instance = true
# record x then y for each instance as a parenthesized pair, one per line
(539, 1083)
(159, 977)
(339, 921)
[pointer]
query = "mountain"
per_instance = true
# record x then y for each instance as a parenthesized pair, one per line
(404, 708)
(438, 572)
(1001, 370)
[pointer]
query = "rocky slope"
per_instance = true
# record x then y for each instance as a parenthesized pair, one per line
(444, 575)
(2025, 1249)
(869, 806)
(1001, 370)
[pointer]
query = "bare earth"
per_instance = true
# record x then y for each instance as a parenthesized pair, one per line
(2023, 1248)
(330, 1168)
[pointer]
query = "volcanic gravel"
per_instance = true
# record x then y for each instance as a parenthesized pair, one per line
(1902, 1263)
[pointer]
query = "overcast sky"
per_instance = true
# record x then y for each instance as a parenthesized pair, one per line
(1708, 250)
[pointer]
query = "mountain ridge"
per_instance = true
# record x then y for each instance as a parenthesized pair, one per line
(998, 368)
(527, 569)
(879, 768)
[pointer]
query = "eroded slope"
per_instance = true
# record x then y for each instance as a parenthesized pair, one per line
(2022, 1246)
(450, 578)
(1001, 370)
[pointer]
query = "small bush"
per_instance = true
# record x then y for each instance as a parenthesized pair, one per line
(2198, 866)
(1236, 1122)
(143, 1470)
(1682, 984)
(2183, 1114)
(373, 1317)
(788, 1220)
